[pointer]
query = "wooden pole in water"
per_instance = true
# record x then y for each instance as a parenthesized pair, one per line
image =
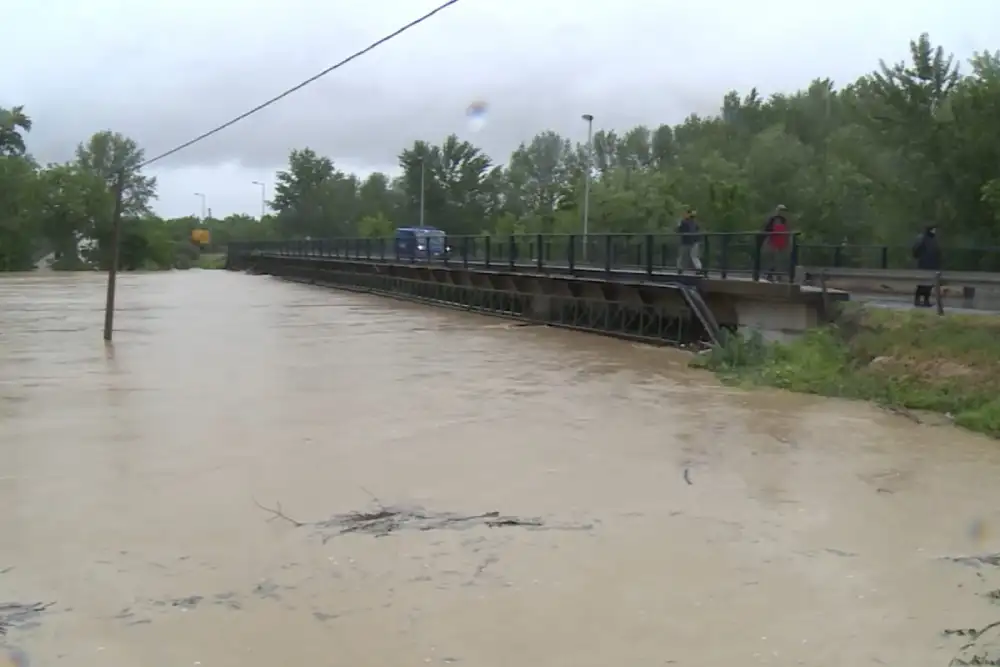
(116, 229)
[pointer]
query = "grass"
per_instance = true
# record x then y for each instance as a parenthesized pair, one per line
(210, 261)
(903, 359)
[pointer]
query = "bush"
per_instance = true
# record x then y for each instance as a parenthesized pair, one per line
(908, 359)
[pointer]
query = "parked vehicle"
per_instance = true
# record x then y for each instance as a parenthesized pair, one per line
(418, 243)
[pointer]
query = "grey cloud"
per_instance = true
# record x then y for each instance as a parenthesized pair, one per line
(165, 72)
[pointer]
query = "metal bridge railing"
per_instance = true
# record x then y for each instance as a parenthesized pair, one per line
(844, 256)
(721, 254)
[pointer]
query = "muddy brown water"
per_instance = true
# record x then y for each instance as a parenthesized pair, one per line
(683, 522)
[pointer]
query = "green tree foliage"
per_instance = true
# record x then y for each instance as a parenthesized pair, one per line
(66, 209)
(107, 154)
(19, 228)
(71, 201)
(314, 198)
(19, 189)
(872, 161)
(13, 124)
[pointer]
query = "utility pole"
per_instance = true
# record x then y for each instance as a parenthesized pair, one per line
(422, 170)
(263, 195)
(586, 179)
(203, 204)
(116, 237)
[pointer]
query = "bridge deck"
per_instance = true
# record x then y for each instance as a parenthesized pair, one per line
(710, 281)
(617, 272)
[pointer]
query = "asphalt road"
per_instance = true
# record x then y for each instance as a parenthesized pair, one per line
(905, 303)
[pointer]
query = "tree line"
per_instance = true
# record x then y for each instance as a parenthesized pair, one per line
(872, 162)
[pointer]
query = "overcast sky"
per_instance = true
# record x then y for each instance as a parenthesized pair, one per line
(163, 72)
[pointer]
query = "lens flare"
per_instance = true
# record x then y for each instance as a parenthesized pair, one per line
(476, 115)
(13, 657)
(979, 531)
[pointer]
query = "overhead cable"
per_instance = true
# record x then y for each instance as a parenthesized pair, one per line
(300, 86)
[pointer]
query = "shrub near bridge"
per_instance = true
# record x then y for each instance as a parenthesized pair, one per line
(903, 359)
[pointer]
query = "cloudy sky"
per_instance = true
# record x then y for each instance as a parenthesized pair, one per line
(163, 72)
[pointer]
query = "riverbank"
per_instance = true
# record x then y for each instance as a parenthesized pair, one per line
(906, 360)
(215, 261)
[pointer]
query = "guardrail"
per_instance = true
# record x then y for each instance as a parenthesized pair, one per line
(723, 253)
(845, 256)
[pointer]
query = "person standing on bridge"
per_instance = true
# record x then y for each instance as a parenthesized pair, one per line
(927, 252)
(775, 242)
(690, 241)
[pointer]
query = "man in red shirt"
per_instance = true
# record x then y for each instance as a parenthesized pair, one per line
(776, 241)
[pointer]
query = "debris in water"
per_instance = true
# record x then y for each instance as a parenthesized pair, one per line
(978, 651)
(687, 476)
(279, 514)
(902, 412)
(189, 602)
(840, 552)
(13, 614)
(387, 519)
(976, 561)
(490, 560)
(267, 589)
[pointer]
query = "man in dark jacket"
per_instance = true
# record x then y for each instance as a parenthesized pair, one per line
(927, 252)
(689, 248)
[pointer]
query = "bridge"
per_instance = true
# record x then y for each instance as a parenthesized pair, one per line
(628, 285)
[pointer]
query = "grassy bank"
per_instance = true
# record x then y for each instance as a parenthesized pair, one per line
(912, 360)
(210, 261)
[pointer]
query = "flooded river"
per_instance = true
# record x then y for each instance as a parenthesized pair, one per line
(647, 515)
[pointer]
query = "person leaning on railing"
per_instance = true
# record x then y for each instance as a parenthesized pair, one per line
(689, 248)
(927, 252)
(776, 241)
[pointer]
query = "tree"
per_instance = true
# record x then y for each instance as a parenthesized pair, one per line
(18, 193)
(72, 201)
(870, 161)
(314, 198)
(14, 124)
(108, 154)
(377, 197)
(537, 180)
(375, 226)
(460, 184)
(18, 222)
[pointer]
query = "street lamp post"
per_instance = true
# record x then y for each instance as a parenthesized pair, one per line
(203, 204)
(586, 179)
(422, 190)
(263, 196)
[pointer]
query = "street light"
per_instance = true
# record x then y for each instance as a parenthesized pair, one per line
(203, 204)
(586, 179)
(263, 204)
(421, 191)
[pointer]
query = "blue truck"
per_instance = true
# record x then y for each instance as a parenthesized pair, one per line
(421, 243)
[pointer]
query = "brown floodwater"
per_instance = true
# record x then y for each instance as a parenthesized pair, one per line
(681, 522)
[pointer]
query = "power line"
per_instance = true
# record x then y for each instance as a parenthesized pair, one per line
(301, 85)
